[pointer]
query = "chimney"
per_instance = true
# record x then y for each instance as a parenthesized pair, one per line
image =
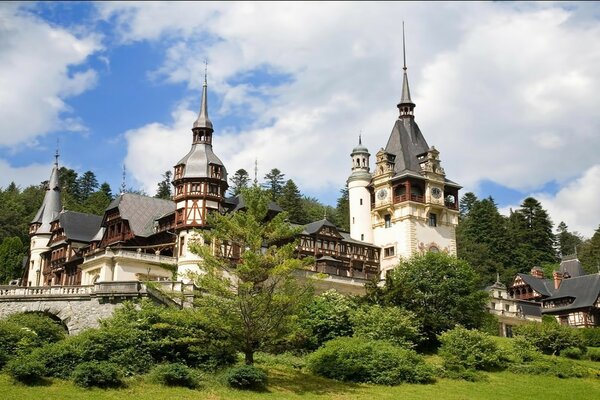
(558, 276)
(537, 272)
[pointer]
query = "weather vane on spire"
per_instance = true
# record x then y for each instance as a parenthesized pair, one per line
(205, 69)
(56, 154)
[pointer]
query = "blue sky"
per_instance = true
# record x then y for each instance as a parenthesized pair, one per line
(508, 92)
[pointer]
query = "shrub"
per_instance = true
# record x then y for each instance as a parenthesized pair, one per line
(376, 361)
(45, 328)
(246, 377)
(175, 375)
(574, 353)
(97, 373)
(393, 324)
(470, 349)
(326, 317)
(14, 340)
(61, 358)
(593, 354)
(523, 351)
(559, 367)
(550, 338)
(25, 370)
(591, 337)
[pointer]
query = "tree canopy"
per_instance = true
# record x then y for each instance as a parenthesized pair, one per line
(255, 300)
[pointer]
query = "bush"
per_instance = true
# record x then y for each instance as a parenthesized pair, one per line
(376, 361)
(61, 358)
(14, 340)
(97, 373)
(523, 351)
(247, 377)
(393, 324)
(550, 338)
(593, 354)
(470, 349)
(175, 375)
(559, 367)
(45, 328)
(25, 370)
(591, 337)
(574, 353)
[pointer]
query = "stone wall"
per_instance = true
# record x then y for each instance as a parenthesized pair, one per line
(76, 315)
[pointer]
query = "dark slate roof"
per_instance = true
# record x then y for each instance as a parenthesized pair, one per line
(315, 226)
(406, 142)
(328, 258)
(78, 226)
(572, 267)
(52, 204)
(544, 287)
(141, 211)
(583, 289)
(530, 308)
(197, 162)
(237, 203)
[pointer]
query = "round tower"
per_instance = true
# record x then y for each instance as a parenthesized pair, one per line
(359, 195)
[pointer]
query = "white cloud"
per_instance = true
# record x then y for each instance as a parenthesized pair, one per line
(34, 75)
(506, 92)
(32, 174)
(576, 203)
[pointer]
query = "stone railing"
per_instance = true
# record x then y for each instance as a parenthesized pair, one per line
(134, 255)
(41, 291)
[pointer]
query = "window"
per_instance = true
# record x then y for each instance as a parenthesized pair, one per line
(352, 220)
(362, 236)
(388, 251)
(493, 306)
(432, 219)
(361, 202)
(507, 307)
(388, 220)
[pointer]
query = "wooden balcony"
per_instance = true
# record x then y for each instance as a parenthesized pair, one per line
(413, 197)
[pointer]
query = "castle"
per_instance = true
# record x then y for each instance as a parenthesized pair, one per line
(406, 205)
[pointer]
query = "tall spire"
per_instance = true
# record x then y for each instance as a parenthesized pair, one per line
(52, 204)
(203, 121)
(406, 104)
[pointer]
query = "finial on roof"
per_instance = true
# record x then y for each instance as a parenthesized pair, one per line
(360, 137)
(256, 172)
(406, 104)
(497, 277)
(123, 186)
(56, 154)
(403, 46)
(325, 212)
(203, 121)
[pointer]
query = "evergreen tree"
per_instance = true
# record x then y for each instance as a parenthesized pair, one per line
(96, 203)
(105, 188)
(466, 203)
(531, 234)
(315, 210)
(342, 220)
(256, 300)
(13, 215)
(87, 184)
(566, 241)
(68, 181)
(164, 187)
(590, 253)
(291, 201)
(483, 241)
(12, 252)
(239, 181)
(274, 183)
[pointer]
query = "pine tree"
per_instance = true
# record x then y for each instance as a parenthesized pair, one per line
(239, 181)
(105, 188)
(164, 187)
(531, 234)
(256, 300)
(87, 184)
(274, 183)
(466, 204)
(567, 242)
(590, 253)
(483, 240)
(291, 201)
(342, 220)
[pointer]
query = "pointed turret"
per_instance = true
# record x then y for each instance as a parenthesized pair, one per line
(51, 206)
(203, 122)
(406, 105)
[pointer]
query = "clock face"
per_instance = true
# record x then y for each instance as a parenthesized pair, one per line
(382, 194)
(436, 192)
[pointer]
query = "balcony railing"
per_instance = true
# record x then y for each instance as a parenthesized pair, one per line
(413, 197)
(134, 255)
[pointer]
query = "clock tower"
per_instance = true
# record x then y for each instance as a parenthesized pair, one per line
(414, 207)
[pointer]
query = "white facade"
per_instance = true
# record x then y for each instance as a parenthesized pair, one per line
(38, 245)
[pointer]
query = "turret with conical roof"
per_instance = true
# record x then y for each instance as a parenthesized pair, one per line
(51, 206)
(406, 105)
(359, 196)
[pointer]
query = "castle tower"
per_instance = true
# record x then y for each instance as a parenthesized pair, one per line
(200, 181)
(39, 228)
(359, 195)
(415, 207)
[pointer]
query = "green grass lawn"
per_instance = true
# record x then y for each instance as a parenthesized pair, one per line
(289, 383)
